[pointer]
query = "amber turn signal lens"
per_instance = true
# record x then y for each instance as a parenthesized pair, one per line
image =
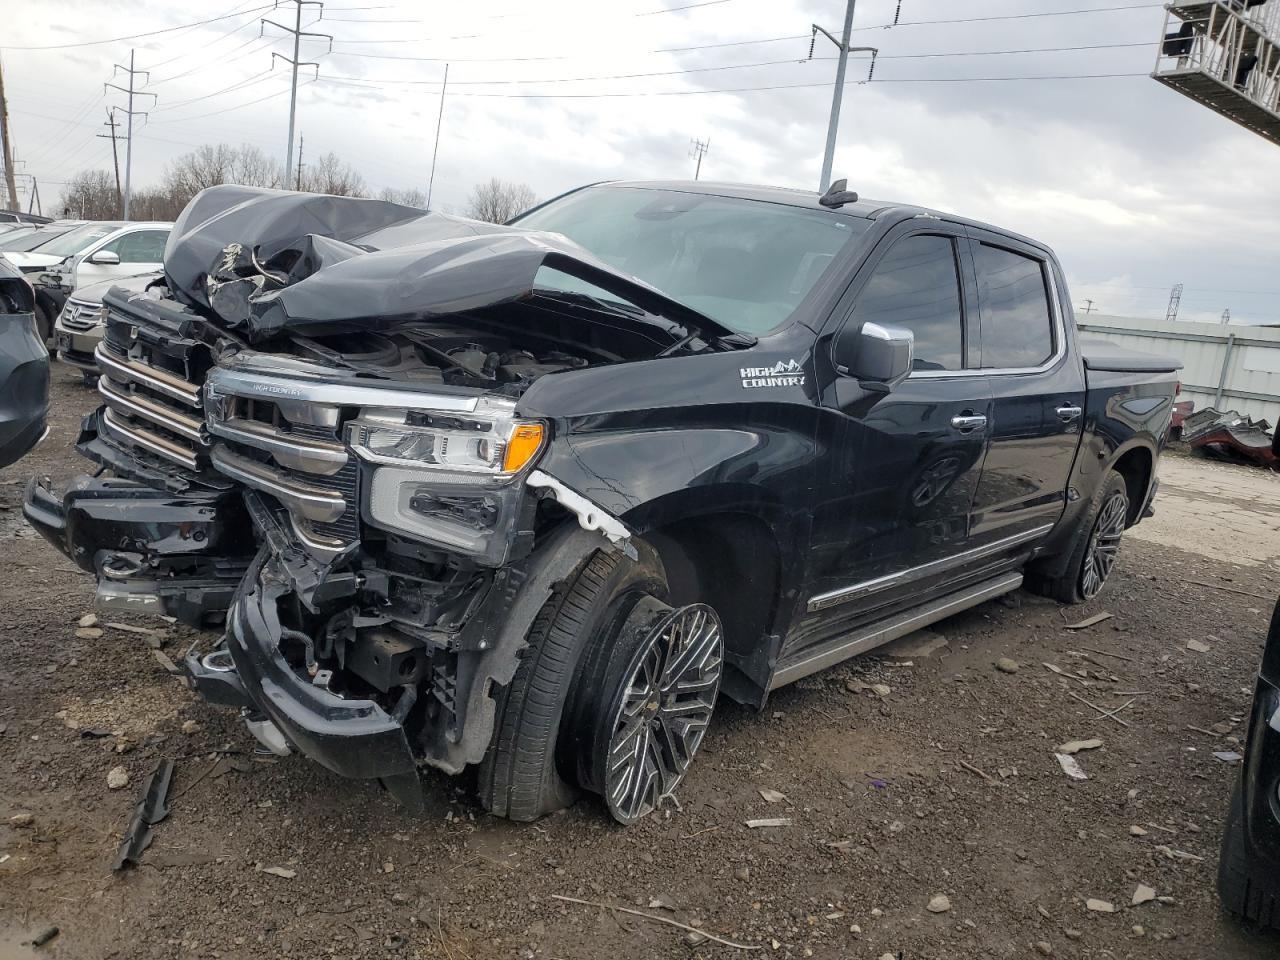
(525, 442)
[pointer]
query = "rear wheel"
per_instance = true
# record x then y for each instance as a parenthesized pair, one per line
(1094, 549)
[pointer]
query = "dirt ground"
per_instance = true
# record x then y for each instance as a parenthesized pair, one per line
(945, 785)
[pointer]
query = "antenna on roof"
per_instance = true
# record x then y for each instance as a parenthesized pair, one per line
(837, 195)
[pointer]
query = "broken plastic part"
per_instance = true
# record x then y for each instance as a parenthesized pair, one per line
(590, 516)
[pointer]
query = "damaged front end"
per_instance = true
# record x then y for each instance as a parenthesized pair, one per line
(314, 442)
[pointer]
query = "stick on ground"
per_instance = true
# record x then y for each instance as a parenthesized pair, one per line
(656, 919)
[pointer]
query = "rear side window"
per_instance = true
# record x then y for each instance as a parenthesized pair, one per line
(1017, 324)
(916, 287)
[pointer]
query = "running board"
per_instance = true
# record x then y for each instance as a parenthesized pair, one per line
(850, 645)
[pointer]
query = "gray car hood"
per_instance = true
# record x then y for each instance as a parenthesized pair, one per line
(267, 261)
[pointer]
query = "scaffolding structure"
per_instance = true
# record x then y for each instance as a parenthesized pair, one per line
(1225, 54)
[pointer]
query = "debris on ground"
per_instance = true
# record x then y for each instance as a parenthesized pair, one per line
(1137, 831)
(1007, 665)
(88, 633)
(192, 726)
(940, 903)
(769, 822)
(1075, 746)
(1099, 906)
(1198, 646)
(1230, 435)
(1089, 621)
(44, 936)
(772, 796)
(117, 778)
(22, 820)
(151, 809)
(284, 872)
(1143, 894)
(657, 919)
(88, 620)
(920, 645)
(1070, 767)
(1227, 756)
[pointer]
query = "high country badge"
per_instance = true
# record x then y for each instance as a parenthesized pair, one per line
(784, 373)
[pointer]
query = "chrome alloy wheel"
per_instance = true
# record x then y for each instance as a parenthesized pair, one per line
(1104, 544)
(662, 709)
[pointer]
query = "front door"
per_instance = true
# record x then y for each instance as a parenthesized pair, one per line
(902, 468)
(140, 251)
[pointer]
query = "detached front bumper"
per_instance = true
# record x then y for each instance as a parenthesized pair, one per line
(352, 737)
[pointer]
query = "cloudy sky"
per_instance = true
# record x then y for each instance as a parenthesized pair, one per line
(1135, 186)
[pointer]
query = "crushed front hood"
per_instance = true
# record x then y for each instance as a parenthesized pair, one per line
(265, 261)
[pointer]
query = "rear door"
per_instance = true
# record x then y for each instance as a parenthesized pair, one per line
(1037, 386)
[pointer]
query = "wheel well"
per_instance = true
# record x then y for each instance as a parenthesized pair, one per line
(1135, 468)
(730, 561)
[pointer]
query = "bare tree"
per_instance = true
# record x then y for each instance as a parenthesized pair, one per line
(498, 202)
(91, 195)
(328, 174)
(211, 164)
(408, 197)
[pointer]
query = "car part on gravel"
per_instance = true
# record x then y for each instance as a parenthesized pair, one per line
(151, 810)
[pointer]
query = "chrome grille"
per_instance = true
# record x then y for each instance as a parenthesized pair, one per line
(81, 315)
(290, 451)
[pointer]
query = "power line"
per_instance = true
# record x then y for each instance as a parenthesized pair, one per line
(1022, 16)
(138, 36)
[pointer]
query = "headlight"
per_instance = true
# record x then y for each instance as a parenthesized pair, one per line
(445, 478)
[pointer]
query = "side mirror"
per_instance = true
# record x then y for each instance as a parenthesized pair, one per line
(879, 358)
(105, 258)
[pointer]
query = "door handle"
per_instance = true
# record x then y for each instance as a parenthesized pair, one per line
(968, 423)
(1068, 412)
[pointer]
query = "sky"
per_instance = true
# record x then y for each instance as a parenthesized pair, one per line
(1136, 187)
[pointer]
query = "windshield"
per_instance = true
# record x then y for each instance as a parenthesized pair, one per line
(72, 242)
(28, 238)
(745, 263)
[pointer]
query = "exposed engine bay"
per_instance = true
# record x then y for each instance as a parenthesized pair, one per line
(313, 441)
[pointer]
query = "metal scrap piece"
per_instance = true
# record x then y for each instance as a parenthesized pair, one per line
(151, 810)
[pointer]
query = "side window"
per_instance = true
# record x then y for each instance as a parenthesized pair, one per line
(917, 286)
(143, 246)
(1017, 324)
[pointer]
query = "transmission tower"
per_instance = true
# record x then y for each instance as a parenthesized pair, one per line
(1175, 297)
(132, 91)
(699, 150)
(298, 33)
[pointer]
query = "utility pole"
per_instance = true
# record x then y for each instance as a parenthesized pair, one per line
(115, 156)
(436, 150)
(34, 203)
(6, 143)
(132, 91)
(1175, 297)
(298, 177)
(1088, 306)
(838, 93)
(298, 34)
(699, 150)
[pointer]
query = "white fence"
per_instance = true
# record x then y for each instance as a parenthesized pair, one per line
(1231, 368)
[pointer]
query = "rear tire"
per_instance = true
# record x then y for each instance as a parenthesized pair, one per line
(1093, 549)
(1246, 891)
(527, 772)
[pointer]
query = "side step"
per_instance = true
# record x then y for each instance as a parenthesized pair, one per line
(850, 645)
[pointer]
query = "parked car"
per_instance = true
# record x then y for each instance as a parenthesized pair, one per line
(528, 498)
(1249, 869)
(17, 216)
(25, 238)
(78, 329)
(24, 368)
(87, 254)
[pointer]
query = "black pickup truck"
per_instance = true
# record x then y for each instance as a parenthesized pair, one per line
(529, 498)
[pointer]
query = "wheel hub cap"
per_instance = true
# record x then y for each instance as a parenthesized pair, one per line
(662, 711)
(1104, 544)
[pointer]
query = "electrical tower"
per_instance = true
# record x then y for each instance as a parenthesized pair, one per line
(1225, 54)
(1226, 316)
(298, 33)
(699, 150)
(1175, 297)
(837, 95)
(111, 124)
(132, 91)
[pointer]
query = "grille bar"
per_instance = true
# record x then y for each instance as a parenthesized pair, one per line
(153, 442)
(136, 405)
(313, 502)
(158, 380)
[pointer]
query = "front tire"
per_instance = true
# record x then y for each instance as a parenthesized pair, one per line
(1094, 549)
(1246, 891)
(527, 772)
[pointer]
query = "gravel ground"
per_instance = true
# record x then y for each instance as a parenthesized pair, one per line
(945, 786)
